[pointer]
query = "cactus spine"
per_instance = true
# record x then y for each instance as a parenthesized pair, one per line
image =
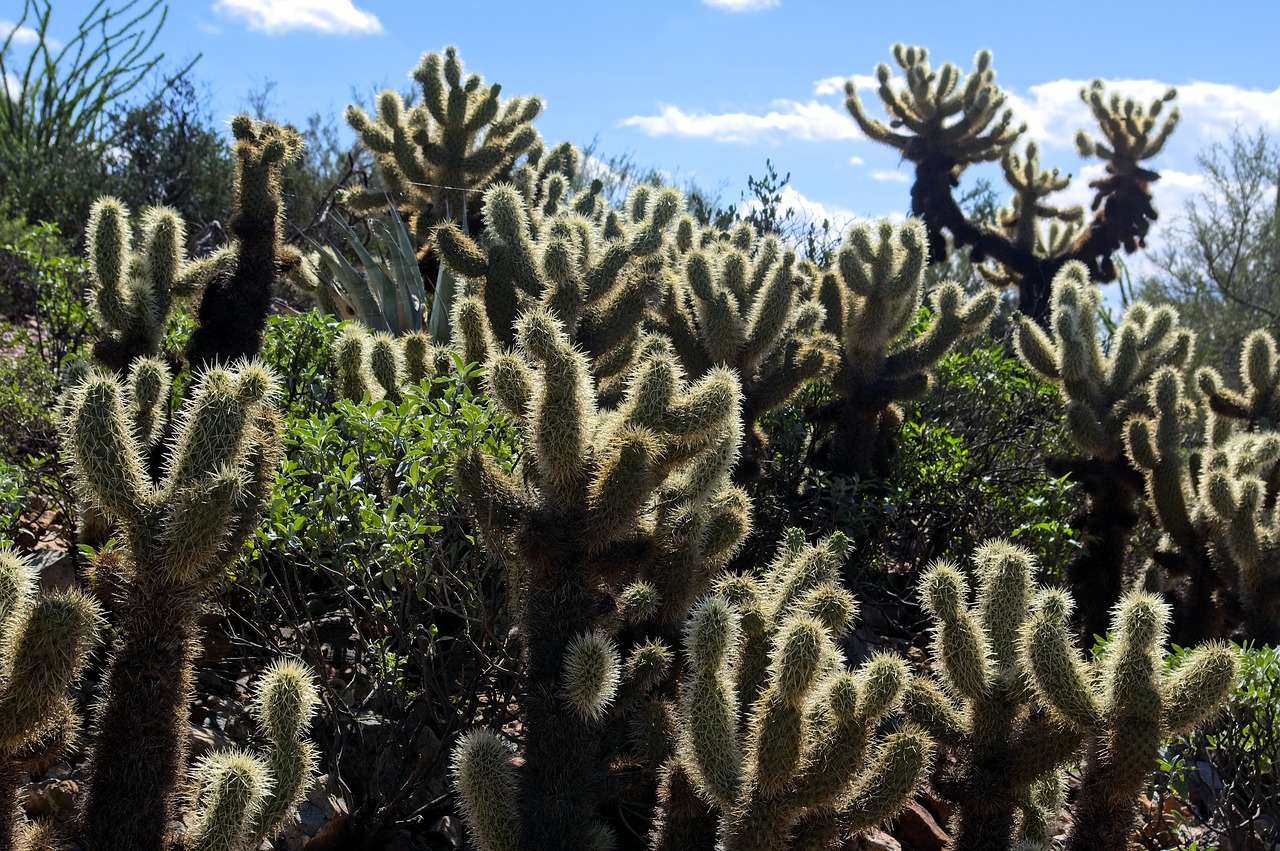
(774, 731)
(604, 500)
(1007, 749)
(178, 534)
(1125, 704)
(45, 641)
(871, 300)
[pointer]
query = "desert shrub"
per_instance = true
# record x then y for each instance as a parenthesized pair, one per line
(365, 564)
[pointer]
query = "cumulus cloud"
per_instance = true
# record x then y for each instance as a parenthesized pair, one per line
(809, 121)
(809, 211)
(339, 17)
(891, 176)
(742, 5)
(19, 35)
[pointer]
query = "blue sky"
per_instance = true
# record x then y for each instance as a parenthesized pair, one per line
(706, 90)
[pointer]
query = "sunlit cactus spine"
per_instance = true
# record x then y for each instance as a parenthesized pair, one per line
(45, 642)
(1007, 751)
(746, 309)
(1124, 703)
(178, 532)
(774, 730)
(871, 301)
(376, 366)
(1256, 406)
(242, 798)
(1103, 390)
(603, 501)
(236, 298)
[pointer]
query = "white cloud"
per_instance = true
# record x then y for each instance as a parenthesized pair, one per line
(21, 35)
(855, 161)
(742, 5)
(809, 121)
(891, 176)
(12, 86)
(808, 210)
(835, 85)
(279, 16)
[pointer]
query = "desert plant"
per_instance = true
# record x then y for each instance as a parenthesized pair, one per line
(45, 641)
(871, 299)
(943, 125)
(1102, 391)
(1125, 703)
(604, 501)
(178, 534)
(774, 730)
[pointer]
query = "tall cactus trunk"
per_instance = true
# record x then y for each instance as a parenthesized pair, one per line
(140, 742)
(561, 774)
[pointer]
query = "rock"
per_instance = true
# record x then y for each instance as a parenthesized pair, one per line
(917, 830)
(54, 568)
(206, 739)
(51, 799)
(873, 840)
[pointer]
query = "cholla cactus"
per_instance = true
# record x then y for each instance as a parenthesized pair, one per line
(604, 500)
(1007, 750)
(233, 305)
(1125, 704)
(1257, 408)
(870, 304)
(179, 533)
(944, 126)
(242, 798)
(379, 366)
(131, 292)
(45, 642)
(774, 730)
(1102, 391)
(743, 304)
(436, 154)
(596, 277)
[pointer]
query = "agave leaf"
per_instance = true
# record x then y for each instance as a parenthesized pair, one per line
(403, 261)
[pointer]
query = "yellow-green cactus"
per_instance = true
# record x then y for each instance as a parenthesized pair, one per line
(1125, 704)
(1007, 750)
(774, 730)
(242, 798)
(1103, 390)
(45, 641)
(871, 301)
(178, 533)
(619, 519)
(378, 366)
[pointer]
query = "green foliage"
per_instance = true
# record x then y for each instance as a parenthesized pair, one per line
(55, 130)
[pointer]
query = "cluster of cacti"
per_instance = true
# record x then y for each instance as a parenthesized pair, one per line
(871, 299)
(774, 730)
(1008, 751)
(944, 125)
(242, 798)
(603, 500)
(1125, 704)
(1103, 390)
(1019, 704)
(45, 640)
(178, 533)
(380, 366)
(1212, 504)
(741, 302)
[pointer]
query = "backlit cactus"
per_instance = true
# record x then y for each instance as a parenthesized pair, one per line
(603, 501)
(439, 154)
(234, 302)
(45, 641)
(871, 301)
(774, 730)
(379, 366)
(1007, 750)
(1103, 390)
(242, 798)
(178, 534)
(943, 125)
(1125, 704)
(745, 308)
